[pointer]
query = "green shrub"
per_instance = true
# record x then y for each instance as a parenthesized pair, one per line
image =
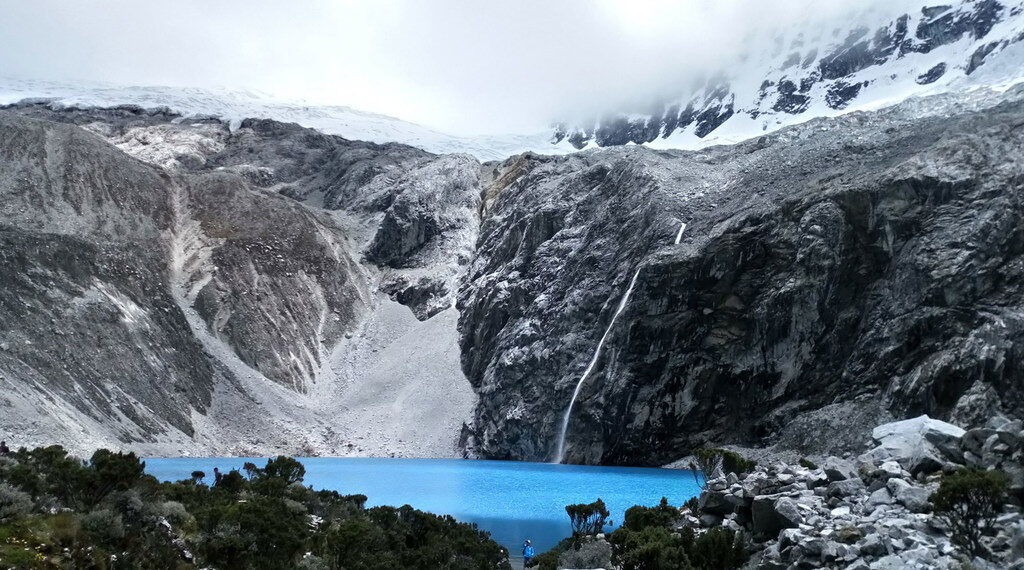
(646, 541)
(968, 501)
(653, 548)
(112, 472)
(270, 522)
(639, 517)
(174, 512)
(285, 468)
(588, 518)
(718, 549)
(807, 463)
(592, 553)
(693, 505)
(14, 503)
(104, 525)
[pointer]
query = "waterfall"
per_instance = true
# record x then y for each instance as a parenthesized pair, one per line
(560, 450)
(590, 367)
(679, 235)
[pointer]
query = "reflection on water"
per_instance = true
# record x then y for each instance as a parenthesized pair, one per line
(512, 500)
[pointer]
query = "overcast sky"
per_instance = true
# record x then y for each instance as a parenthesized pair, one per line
(467, 66)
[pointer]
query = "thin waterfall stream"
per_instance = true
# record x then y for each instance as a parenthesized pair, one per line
(560, 449)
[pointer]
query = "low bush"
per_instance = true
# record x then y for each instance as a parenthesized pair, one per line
(968, 502)
(646, 540)
(718, 548)
(639, 517)
(14, 504)
(112, 515)
(587, 554)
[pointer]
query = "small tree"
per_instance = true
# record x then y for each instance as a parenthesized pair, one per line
(197, 477)
(251, 471)
(968, 501)
(287, 468)
(588, 518)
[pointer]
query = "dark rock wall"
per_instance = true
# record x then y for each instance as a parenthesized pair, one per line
(879, 265)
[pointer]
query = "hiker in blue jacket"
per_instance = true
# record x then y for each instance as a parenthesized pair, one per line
(527, 552)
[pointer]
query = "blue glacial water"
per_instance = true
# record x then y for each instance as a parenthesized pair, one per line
(511, 499)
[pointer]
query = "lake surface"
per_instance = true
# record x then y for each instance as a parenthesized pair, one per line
(513, 500)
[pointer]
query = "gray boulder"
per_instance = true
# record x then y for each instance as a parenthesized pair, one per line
(715, 503)
(919, 445)
(880, 497)
(873, 545)
(837, 469)
(846, 488)
(769, 515)
(915, 499)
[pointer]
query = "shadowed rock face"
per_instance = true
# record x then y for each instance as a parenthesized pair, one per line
(877, 263)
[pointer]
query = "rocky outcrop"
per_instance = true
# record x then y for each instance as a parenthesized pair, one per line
(867, 265)
(876, 518)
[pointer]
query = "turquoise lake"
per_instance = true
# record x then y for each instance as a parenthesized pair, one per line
(513, 500)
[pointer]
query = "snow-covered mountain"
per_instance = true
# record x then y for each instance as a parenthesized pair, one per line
(232, 105)
(872, 59)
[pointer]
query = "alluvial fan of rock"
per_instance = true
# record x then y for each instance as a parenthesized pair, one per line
(186, 285)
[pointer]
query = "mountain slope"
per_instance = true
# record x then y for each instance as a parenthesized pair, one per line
(234, 106)
(190, 304)
(191, 286)
(873, 58)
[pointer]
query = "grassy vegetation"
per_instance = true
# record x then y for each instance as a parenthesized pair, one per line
(57, 511)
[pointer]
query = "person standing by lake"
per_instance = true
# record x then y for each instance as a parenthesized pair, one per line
(528, 553)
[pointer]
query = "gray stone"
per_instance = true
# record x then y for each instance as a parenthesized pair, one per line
(709, 520)
(769, 515)
(915, 499)
(715, 503)
(846, 488)
(837, 469)
(974, 439)
(880, 497)
(873, 545)
(919, 444)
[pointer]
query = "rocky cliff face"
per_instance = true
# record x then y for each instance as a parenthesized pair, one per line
(858, 267)
(192, 285)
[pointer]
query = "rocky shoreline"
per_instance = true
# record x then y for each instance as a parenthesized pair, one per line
(870, 512)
